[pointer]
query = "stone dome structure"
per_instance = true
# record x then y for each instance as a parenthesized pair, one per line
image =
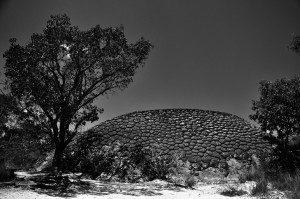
(208, 138)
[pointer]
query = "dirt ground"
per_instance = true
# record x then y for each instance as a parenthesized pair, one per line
(91, 189)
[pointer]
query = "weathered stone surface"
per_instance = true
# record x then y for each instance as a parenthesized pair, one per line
(209, 137)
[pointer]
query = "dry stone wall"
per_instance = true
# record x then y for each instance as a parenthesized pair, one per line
(205, 138)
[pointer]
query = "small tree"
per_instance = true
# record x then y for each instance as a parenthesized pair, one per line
(58, 74)
(278, 113)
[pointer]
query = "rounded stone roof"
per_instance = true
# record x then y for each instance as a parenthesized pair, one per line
(205, 137)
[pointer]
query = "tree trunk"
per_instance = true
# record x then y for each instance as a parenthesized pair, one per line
(57, 158)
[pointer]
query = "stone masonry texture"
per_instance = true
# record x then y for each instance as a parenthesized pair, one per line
(206, 138)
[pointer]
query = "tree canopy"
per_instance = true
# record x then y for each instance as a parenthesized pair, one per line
(59, 73)
(278, 108)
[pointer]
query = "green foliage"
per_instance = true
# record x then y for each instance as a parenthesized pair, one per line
(58, 74)
(277, 112)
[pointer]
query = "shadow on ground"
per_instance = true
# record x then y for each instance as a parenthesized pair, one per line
(92, 187)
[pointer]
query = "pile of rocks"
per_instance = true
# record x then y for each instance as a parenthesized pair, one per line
(205, 138)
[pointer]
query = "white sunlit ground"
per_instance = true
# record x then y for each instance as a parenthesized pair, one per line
(157, 189)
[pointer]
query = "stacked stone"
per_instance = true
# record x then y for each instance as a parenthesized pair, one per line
(208, 138)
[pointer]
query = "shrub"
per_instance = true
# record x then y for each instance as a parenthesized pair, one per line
(278, 176)
(95, 162)
(254, 174)
(124, 162)
(90, 160)
(259, 174)
(20, 153)
(283, 181)
(288, 164)
(179, 171)
(288, 182)
(190, 181)
(233, 191)
(4, 174)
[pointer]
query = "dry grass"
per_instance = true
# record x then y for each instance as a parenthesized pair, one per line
(232, 190)
(288, 182)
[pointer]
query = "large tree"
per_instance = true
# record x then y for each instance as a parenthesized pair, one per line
(59, 73)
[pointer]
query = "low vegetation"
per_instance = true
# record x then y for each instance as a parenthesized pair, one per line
(272, 175)
(129, 163)
(4, 175)
(190, 181)
(261, 187)
(232, 190)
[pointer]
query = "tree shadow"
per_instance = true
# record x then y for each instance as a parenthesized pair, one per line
(100, 188)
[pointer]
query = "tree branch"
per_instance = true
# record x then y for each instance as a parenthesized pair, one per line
(56, 78)
(92, 87)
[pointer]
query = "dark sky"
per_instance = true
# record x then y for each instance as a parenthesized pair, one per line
(207, 55)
